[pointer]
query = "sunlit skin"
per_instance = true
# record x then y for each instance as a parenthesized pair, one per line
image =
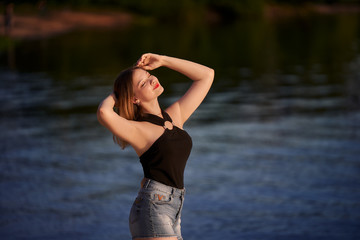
(147, 89)
(141, 135)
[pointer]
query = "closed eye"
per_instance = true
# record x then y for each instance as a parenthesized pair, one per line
(143, 82)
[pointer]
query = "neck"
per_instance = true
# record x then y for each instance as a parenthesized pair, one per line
(151, 107)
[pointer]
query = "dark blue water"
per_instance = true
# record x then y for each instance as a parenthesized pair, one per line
(276, 143)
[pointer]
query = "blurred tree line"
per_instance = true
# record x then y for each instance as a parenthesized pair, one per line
(145, 3)
(180, 9)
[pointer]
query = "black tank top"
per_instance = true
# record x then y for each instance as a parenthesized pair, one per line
(165, 160)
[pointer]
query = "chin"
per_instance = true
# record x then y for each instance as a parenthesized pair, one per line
(160, 90)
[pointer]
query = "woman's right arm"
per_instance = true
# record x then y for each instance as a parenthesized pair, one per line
(119, 126)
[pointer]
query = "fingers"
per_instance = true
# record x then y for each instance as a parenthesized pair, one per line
(149, 61)
(146, 67)
(144, 60)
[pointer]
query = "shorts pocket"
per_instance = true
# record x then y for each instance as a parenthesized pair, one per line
(161, 198)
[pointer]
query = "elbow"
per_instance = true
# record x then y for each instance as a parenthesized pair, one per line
(211, 75)
(101, 115)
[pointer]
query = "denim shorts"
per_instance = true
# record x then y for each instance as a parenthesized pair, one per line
(156, 211)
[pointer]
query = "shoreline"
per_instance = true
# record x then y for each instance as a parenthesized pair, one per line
(55, 22)
(279, 12)
(61, 21)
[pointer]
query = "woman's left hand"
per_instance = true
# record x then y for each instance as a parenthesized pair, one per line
(149, 61)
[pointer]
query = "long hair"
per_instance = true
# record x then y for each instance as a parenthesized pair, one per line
(125, 107)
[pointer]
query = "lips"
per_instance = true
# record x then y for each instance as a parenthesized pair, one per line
(156, 86)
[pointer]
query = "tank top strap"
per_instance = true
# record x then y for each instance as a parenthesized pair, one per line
(166, 116)
(156, 119)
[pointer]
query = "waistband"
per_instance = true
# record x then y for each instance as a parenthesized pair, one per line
(152, 184)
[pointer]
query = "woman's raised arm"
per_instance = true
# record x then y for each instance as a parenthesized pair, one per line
(202, 76)
(118, 125)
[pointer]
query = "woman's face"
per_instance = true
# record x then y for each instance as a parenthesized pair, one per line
(146, 86)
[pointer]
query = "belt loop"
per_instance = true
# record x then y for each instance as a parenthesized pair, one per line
(147, 182)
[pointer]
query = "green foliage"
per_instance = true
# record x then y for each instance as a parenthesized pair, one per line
(169, 9)
(299, 2)
(184, 10)
(238, 7)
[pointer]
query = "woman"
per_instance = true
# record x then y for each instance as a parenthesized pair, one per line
(158, 138)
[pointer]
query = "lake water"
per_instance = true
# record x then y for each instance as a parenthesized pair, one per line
(276, 143)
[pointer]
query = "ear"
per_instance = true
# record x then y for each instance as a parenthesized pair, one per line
(136, 101)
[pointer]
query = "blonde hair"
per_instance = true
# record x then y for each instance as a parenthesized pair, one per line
(125, 107)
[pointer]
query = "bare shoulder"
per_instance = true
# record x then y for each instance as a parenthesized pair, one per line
(146, 135)
(141, 132)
